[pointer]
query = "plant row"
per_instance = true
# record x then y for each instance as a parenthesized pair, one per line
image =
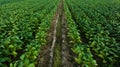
(83, 55)
(23, 31)
(100, 27)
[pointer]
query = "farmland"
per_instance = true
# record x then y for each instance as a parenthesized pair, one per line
(59, 33)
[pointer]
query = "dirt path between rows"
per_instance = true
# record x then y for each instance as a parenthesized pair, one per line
(56, 53)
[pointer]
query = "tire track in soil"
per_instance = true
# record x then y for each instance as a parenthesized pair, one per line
(66, 56)
(56, 53)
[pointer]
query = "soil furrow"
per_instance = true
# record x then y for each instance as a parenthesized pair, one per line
(55, 41)
(45, 57)
(57, 50)
(66, 57)
(56, 53)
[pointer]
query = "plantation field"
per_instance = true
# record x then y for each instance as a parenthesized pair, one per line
(59, 33)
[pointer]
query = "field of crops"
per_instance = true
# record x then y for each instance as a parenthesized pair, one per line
(59, 33)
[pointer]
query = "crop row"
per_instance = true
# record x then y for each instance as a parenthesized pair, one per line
(83, 54)
(99, 29)
(23, 31)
